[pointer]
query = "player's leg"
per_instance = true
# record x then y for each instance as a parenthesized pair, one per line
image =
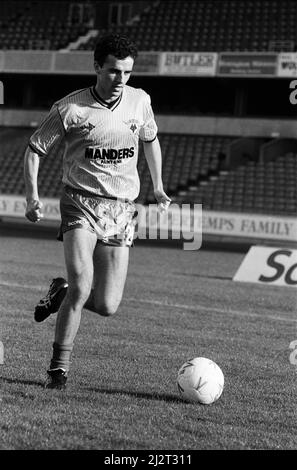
(79, 246)
(51, 302)
(110, 273)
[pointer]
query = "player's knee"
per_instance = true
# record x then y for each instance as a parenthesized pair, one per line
(106, 309)
(78, 295)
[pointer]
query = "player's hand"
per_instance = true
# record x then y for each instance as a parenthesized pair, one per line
(33, 210)
(163, 200)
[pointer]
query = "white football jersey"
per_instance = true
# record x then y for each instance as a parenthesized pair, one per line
(101, 140)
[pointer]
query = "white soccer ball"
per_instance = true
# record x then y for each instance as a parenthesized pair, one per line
(201, 380)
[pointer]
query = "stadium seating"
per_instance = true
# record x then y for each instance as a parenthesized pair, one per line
(13, 145)
(47, 25)
(171, 25)
(186, 159)
(192, 173)
(256, 187)
(213, 25)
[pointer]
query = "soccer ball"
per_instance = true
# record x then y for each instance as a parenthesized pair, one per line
(201, 380)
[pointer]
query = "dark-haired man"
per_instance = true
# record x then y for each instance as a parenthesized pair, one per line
(101, 127)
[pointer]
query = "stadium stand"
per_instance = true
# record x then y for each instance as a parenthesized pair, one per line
(187, 160)
(13, 145)
(193, 172)
(171, 25)
(212, 25)
(39, 25)
(257, 187)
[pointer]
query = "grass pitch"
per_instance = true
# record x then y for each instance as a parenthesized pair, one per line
(122, 391)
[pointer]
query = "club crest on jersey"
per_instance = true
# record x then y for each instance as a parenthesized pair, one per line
(87, 127)
(133, 125)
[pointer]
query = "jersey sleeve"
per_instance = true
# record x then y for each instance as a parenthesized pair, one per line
(148, 132)
(48, 134)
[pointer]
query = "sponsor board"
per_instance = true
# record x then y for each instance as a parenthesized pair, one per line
(247, 226)
(67, 62)
(250, 226)
(15, 206)
(287, 64)
(247, 64)
(269, 266)
(257, 64)
(147, 63)
(188, 63)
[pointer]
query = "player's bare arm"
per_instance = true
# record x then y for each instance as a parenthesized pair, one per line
(153, 155)
(31, 167)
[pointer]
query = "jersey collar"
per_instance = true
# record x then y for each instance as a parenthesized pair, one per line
(101, 101)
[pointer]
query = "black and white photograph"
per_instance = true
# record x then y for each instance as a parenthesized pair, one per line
(148, 228)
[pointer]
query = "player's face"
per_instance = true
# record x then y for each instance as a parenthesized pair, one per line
(113, 76)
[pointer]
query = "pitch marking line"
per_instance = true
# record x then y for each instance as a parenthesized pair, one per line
(198, 308)
(22, 286)
(194, 308)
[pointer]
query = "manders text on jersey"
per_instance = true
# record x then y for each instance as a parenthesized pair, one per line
(109, 155)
